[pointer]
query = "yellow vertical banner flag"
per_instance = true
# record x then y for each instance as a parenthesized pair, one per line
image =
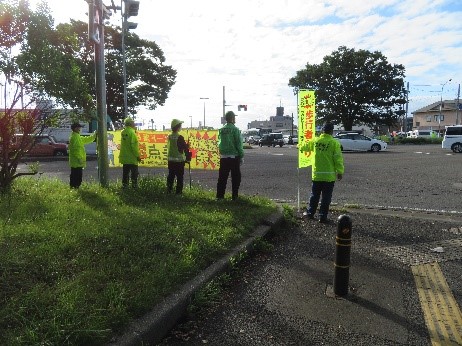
(306, 125)
(153, 148)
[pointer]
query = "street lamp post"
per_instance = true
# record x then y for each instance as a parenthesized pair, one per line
(191, 120)
(204, 98)
(131, 9)
(441, 105)
(407, 109)
(458, 106)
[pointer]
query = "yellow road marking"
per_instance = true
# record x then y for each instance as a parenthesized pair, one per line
(441, 311)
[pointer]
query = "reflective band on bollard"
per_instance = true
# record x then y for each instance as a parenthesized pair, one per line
(342, 255)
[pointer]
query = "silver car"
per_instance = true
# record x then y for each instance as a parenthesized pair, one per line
(359, 142)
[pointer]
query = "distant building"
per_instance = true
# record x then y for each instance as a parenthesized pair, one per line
(276, 123)
(437, 116)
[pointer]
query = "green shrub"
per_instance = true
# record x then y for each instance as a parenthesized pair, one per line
(419, 140)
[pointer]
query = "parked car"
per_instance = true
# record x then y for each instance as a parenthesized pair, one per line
(288, 139)
(453, 138)
(253, 139)
(271, 139)
(356, 142)
(44, 145)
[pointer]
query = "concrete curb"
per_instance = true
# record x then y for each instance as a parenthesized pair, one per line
(155, 325)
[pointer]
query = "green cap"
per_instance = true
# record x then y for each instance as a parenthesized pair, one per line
(129, 122)
(175, 123)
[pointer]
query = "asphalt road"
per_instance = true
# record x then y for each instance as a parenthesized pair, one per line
(417, 177)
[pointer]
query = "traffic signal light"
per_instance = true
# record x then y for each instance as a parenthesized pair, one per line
(93, 22)
(131, 8)
(106, 12)
(242, 107)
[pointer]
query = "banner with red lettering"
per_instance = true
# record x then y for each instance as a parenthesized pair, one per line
(153, 148)
(306, 125)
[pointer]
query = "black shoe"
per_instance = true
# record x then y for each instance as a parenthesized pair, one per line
(308, 216)
(323, 220)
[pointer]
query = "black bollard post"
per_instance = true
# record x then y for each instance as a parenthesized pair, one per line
(342, 255)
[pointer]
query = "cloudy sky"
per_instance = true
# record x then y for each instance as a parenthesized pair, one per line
(253, 47)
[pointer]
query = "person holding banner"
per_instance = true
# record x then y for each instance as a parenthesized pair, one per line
(327, 168)
(129, 155)
(231, 156)
(177, 148)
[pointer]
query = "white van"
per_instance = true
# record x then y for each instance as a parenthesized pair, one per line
(427, 133)
(453, 138)
(422, 133)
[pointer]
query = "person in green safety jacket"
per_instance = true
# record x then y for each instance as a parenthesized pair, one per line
(326, 169)
(77, 154)
(177, 153)
(231, 157)
(129, 155)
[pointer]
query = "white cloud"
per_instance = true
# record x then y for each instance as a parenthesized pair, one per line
(253, 47)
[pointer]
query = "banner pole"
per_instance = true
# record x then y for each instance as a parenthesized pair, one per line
(298, 189)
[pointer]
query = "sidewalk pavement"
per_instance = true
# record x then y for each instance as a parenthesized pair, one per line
(404, 288)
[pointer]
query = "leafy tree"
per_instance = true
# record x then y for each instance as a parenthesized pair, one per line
(12, 31)
(59, 62)
(355, 87)
(47, 63)
(149, 80)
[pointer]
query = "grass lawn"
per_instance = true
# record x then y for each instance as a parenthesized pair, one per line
(76, 266)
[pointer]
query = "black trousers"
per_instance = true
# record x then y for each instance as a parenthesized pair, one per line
(130, 172)
(175, 170)
(75, 179)
(321, 190)
(227, 165)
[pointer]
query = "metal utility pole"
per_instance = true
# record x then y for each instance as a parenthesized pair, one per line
(441, 106)
(223, 120)
(96, 35)
(130, 9)
(124, 64)
(457, 106)
(407, 108)
(204, 98)
(224, 104)
(292, 130)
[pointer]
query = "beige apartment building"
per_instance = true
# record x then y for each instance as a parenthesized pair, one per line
(437, 116)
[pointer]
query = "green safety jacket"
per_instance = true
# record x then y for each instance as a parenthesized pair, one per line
(328, 158)
(176, 148)
(77, 153)
(230, 141)
(129, 147)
